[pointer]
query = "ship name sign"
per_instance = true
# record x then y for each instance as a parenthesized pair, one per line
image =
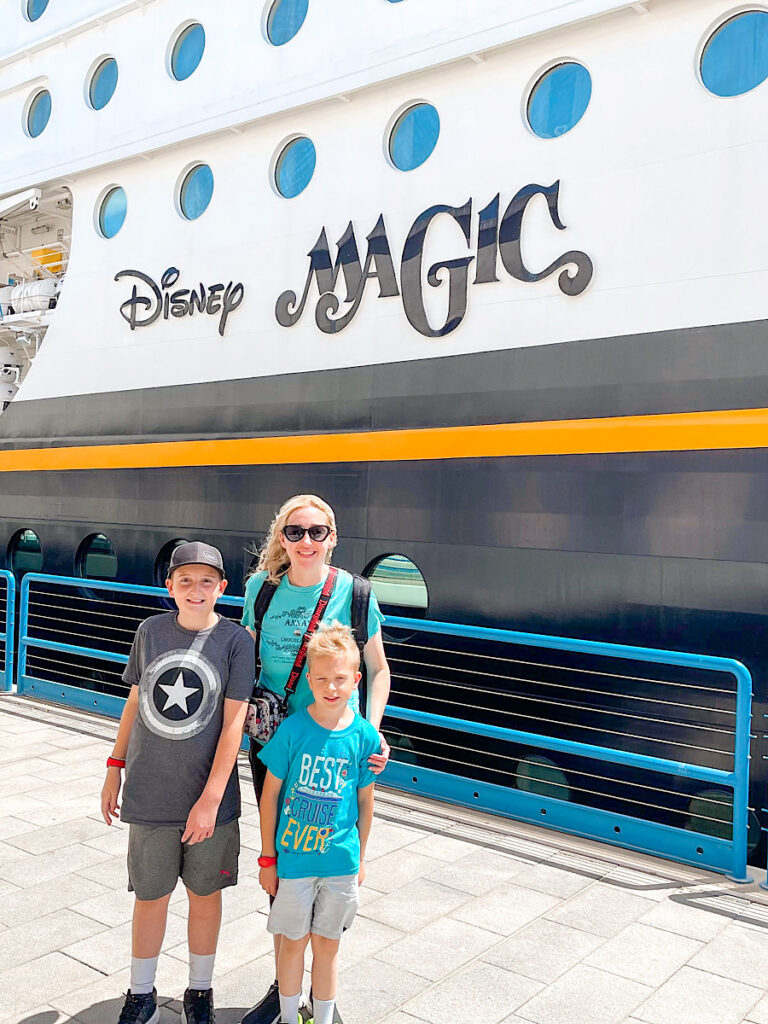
(498, 236)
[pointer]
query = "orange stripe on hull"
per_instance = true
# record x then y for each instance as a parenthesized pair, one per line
(693, 431)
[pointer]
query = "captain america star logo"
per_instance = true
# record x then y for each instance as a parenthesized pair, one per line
(178, 694)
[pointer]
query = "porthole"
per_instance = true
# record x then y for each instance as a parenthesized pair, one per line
(735, 58)
(413, 136)
(195, 191)
(542, 777)
(38, 113)
(25, 553)
(110, 212)
(96, 558)
(163, 560)
(102, 83)
(35, 9)
(399, 586)
(294, 167)
(187, 51)
(284, 19)
(559, 100)
(710, 812)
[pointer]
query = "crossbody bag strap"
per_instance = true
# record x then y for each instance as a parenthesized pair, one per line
(314, 622)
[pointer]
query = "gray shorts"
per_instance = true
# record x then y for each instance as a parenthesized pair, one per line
(157, 859)
(323, 906)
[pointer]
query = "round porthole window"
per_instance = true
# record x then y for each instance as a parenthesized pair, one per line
(735, 59)
(399, 585)
(284, 19)
(542, 777)
(163, 560)
(35, 9)
(414, 136)
(111, 212)
(25, 553)
(195, 191)
(559, 100)
(38, 113)
(187, 51)
(103, 83)
(294, 167)
(96, 558)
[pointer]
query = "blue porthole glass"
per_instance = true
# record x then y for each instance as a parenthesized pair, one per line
(196, 191)
(187, 51)
(103, 83)
(559, 100)
(36, 9)
(295, 167)
(414, 136)
(112, 212)
(735, 60)
(39, 113)
(284, 20)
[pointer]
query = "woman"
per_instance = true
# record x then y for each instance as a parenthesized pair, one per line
(296, 555)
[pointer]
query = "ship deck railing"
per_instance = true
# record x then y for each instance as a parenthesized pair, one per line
(637, 747)
(7, 625)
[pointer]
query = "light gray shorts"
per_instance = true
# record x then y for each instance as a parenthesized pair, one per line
(323, 906)
(157, 859)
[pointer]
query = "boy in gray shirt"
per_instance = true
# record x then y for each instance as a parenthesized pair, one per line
(190, 673)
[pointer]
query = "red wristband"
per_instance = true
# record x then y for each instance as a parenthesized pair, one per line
(267, 862)
(115, 762)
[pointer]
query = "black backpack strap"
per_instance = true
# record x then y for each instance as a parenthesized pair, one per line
(260, 606)
(361, 599)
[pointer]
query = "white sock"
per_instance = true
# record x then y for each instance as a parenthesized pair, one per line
(201, 971)
(143, 974)
(323, 1010)
(289, 1008)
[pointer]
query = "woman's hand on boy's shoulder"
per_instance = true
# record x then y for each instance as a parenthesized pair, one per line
(378, 762)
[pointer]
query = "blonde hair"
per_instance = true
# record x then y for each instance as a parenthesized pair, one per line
(273, 558)
(332, 640)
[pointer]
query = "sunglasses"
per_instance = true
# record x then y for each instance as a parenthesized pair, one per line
(296, 533)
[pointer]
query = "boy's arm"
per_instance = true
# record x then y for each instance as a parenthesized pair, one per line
(202, 818)
(378, 694)
(364, 822)
(111, 788)
(268, 823)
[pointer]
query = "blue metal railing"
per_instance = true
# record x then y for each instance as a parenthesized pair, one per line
(107, 644)
(7, 622)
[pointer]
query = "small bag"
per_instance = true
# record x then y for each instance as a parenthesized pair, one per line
(266, 709)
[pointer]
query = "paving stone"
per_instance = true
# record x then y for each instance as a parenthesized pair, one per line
(442, 847)
(111, 873)
(402, 1018)
(394, 870)
(239, 941)
(387, 837)
(20, 804)
(438, 949)
(40, 1015)
(43, 840)
(99, 749)
(20, 784)
(641, 883)
(108, 840)
(368, 938)
(110, 951)
(46, 814)
(33, 870)
(479, 872)
(58, 893)
(683, 919)
(250, 836)
(600, 909)
(546, 877)
(479, 993)
(236, 991)
(66, 792)
(371, 989)
(35, 938)
(759, 1012)
(543, 950)
(644, 954)
(506, 908)
(695, 997)
(738, 953)
(41, 981)
(10, 827)
(12, 855)
(111, 906)
(585, 996)
(415, 905)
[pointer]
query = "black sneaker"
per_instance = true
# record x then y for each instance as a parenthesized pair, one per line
(140, 1009)
(198, 1006)
(267, 1010)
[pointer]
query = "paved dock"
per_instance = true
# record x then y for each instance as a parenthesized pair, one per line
(465, 919)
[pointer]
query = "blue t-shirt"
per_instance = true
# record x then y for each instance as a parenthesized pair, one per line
(321, 771)
(286, 622)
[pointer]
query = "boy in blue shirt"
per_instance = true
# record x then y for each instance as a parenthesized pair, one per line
(316, 813)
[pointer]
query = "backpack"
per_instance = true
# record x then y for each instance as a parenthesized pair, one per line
(361, 598)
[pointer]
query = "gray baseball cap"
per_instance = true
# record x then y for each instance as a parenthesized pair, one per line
(196, 553)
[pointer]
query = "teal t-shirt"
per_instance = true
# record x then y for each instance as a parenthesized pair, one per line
(321, 771)
(286, 622)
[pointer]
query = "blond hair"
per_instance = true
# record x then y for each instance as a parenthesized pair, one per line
(332, 640)
(273, 558)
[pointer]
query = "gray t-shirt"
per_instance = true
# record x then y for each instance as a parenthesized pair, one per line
(183, 677)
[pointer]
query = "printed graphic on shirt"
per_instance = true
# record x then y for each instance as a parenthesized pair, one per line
(178, 694)
(311, 805)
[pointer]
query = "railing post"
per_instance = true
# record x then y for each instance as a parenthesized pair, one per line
(10, 601)
(21, 669)
(741, 775)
